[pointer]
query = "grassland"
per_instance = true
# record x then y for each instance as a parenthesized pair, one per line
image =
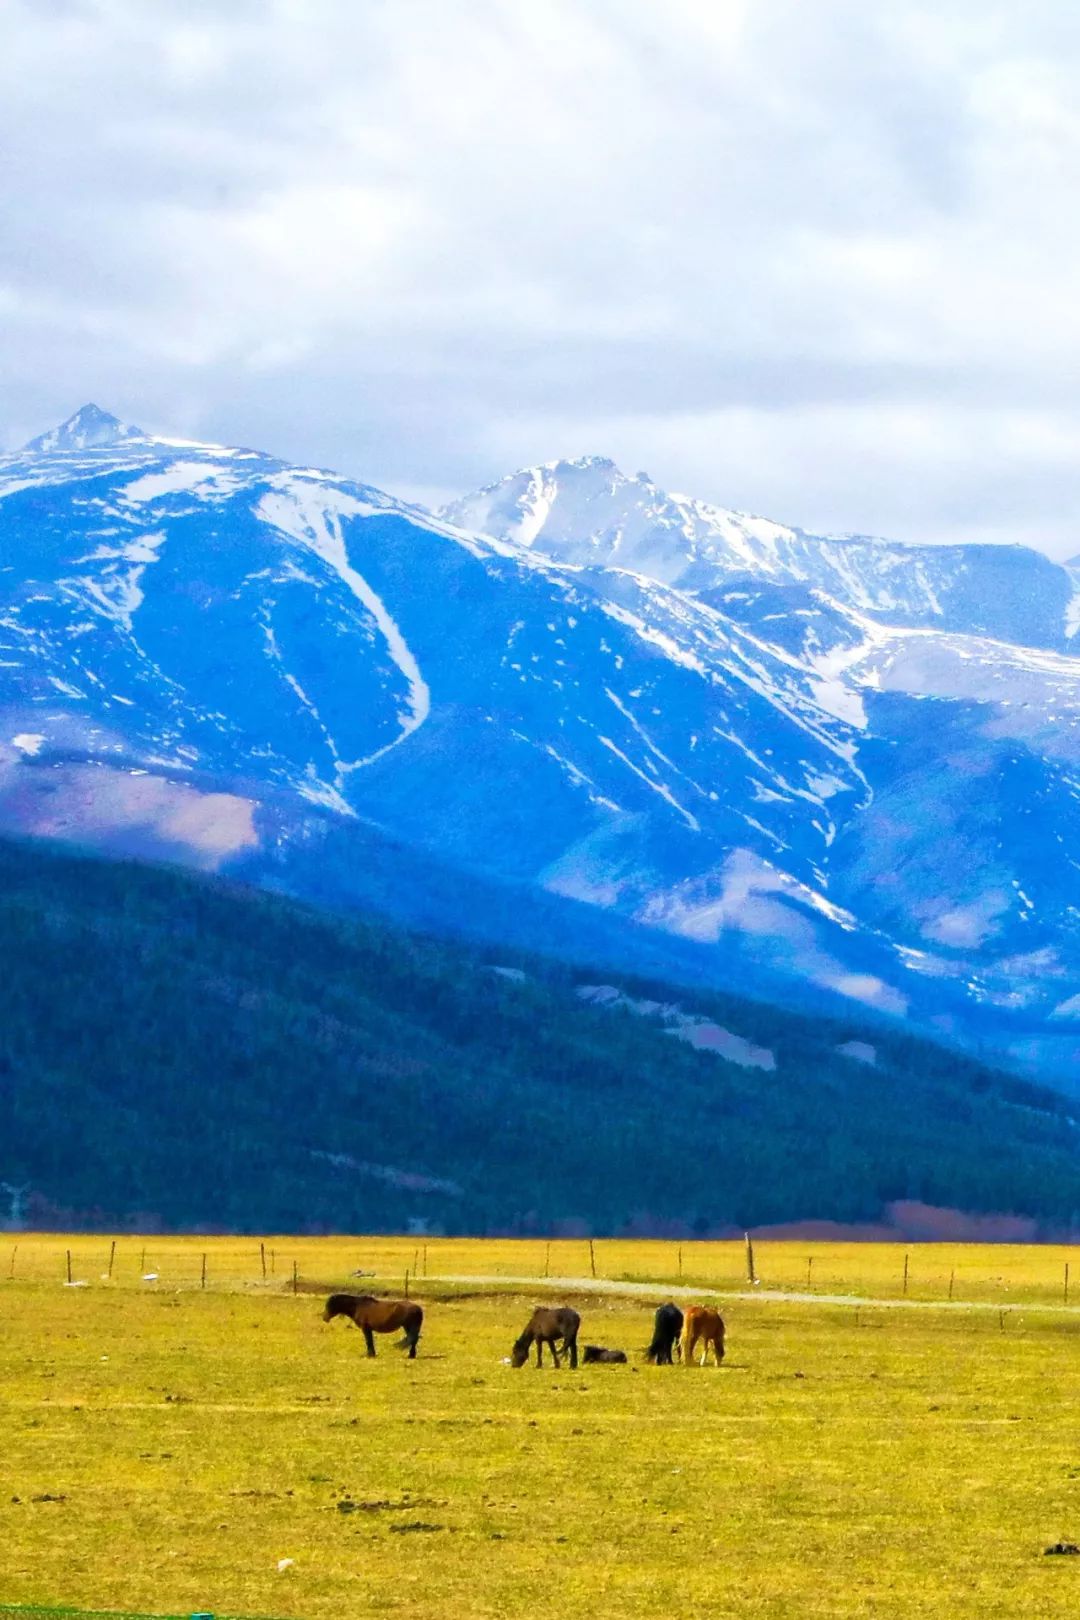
(165, 1447)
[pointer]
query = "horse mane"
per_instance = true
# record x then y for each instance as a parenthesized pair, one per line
(345, 1304)
(524, 1340)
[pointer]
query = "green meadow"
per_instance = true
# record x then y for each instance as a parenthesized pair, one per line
(169, 1447)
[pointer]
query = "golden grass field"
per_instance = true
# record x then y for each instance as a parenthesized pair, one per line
(165, 1447)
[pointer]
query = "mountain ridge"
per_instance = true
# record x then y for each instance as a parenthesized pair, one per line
(210, 655)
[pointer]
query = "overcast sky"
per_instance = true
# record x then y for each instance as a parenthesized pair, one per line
(811, 258)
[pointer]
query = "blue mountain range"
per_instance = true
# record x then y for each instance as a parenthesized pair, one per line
(571, 710)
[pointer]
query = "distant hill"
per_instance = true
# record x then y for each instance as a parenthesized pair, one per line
(180, 1051)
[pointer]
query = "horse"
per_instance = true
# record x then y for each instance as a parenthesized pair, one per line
(594, 1352)
(545, 1325)
(373, 1316)
(667, 1325)
(703, 1323)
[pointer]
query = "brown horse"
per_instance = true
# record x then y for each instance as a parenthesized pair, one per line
(373, 1316)
(546, 1324)
(702, 1323)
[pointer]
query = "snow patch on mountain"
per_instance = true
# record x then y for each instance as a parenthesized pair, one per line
(697, 1032)
(313, 517)
(183, 477)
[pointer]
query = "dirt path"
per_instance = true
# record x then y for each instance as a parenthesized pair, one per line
(776, 1296)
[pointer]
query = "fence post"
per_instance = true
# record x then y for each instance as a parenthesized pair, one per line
(273, 1262)
(906, 1259)
(142, 1264)
(809, 1268)
(262, 1259)
(294, 1277)
(203, 1280)
(406, 1284)
(592, 1258)
(680, 1261)
(952, 1278)
(14, 1252)
(69, 1265)
(425, 1259)
(547, 1260)
(751, 1274)
(112, 1257)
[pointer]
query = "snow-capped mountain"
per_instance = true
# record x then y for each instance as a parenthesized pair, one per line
(841, 765)
(588, 514)
(89, 429)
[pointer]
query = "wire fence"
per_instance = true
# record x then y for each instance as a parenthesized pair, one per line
(945, 1272)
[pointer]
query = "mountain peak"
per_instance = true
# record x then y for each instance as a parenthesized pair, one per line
(89, 428)
(580, 463)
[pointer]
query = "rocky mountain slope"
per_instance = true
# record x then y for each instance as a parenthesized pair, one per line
(835, 768)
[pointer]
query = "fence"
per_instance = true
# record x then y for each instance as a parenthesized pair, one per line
(944, 1272)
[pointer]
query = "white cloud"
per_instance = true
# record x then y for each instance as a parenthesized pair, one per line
(816, 261)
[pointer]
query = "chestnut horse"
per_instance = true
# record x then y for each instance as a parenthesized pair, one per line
(545, 1325)
(703, 1323)
(373, 1316)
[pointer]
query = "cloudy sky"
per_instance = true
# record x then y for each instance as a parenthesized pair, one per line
(817, 260)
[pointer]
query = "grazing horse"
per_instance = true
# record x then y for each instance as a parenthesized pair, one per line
(594, 1352)
(373, 1316)
(545, 1325)
(667, 1325)
(702, 1323)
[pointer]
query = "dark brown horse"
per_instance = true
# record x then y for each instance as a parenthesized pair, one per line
(373, 1316)
(667, 1325)
(702, 1323)
(546, 1325)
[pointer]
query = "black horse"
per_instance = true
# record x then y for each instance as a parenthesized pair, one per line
(667, 1326)
(596, 1352)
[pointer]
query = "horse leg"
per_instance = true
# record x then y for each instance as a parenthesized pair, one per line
(718, 1346)
(554, 1352)
(573, 1349)
(539, 1352)
(369, 1338)
(413, 1337)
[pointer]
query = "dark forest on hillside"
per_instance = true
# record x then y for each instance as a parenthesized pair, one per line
(179, 1052)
